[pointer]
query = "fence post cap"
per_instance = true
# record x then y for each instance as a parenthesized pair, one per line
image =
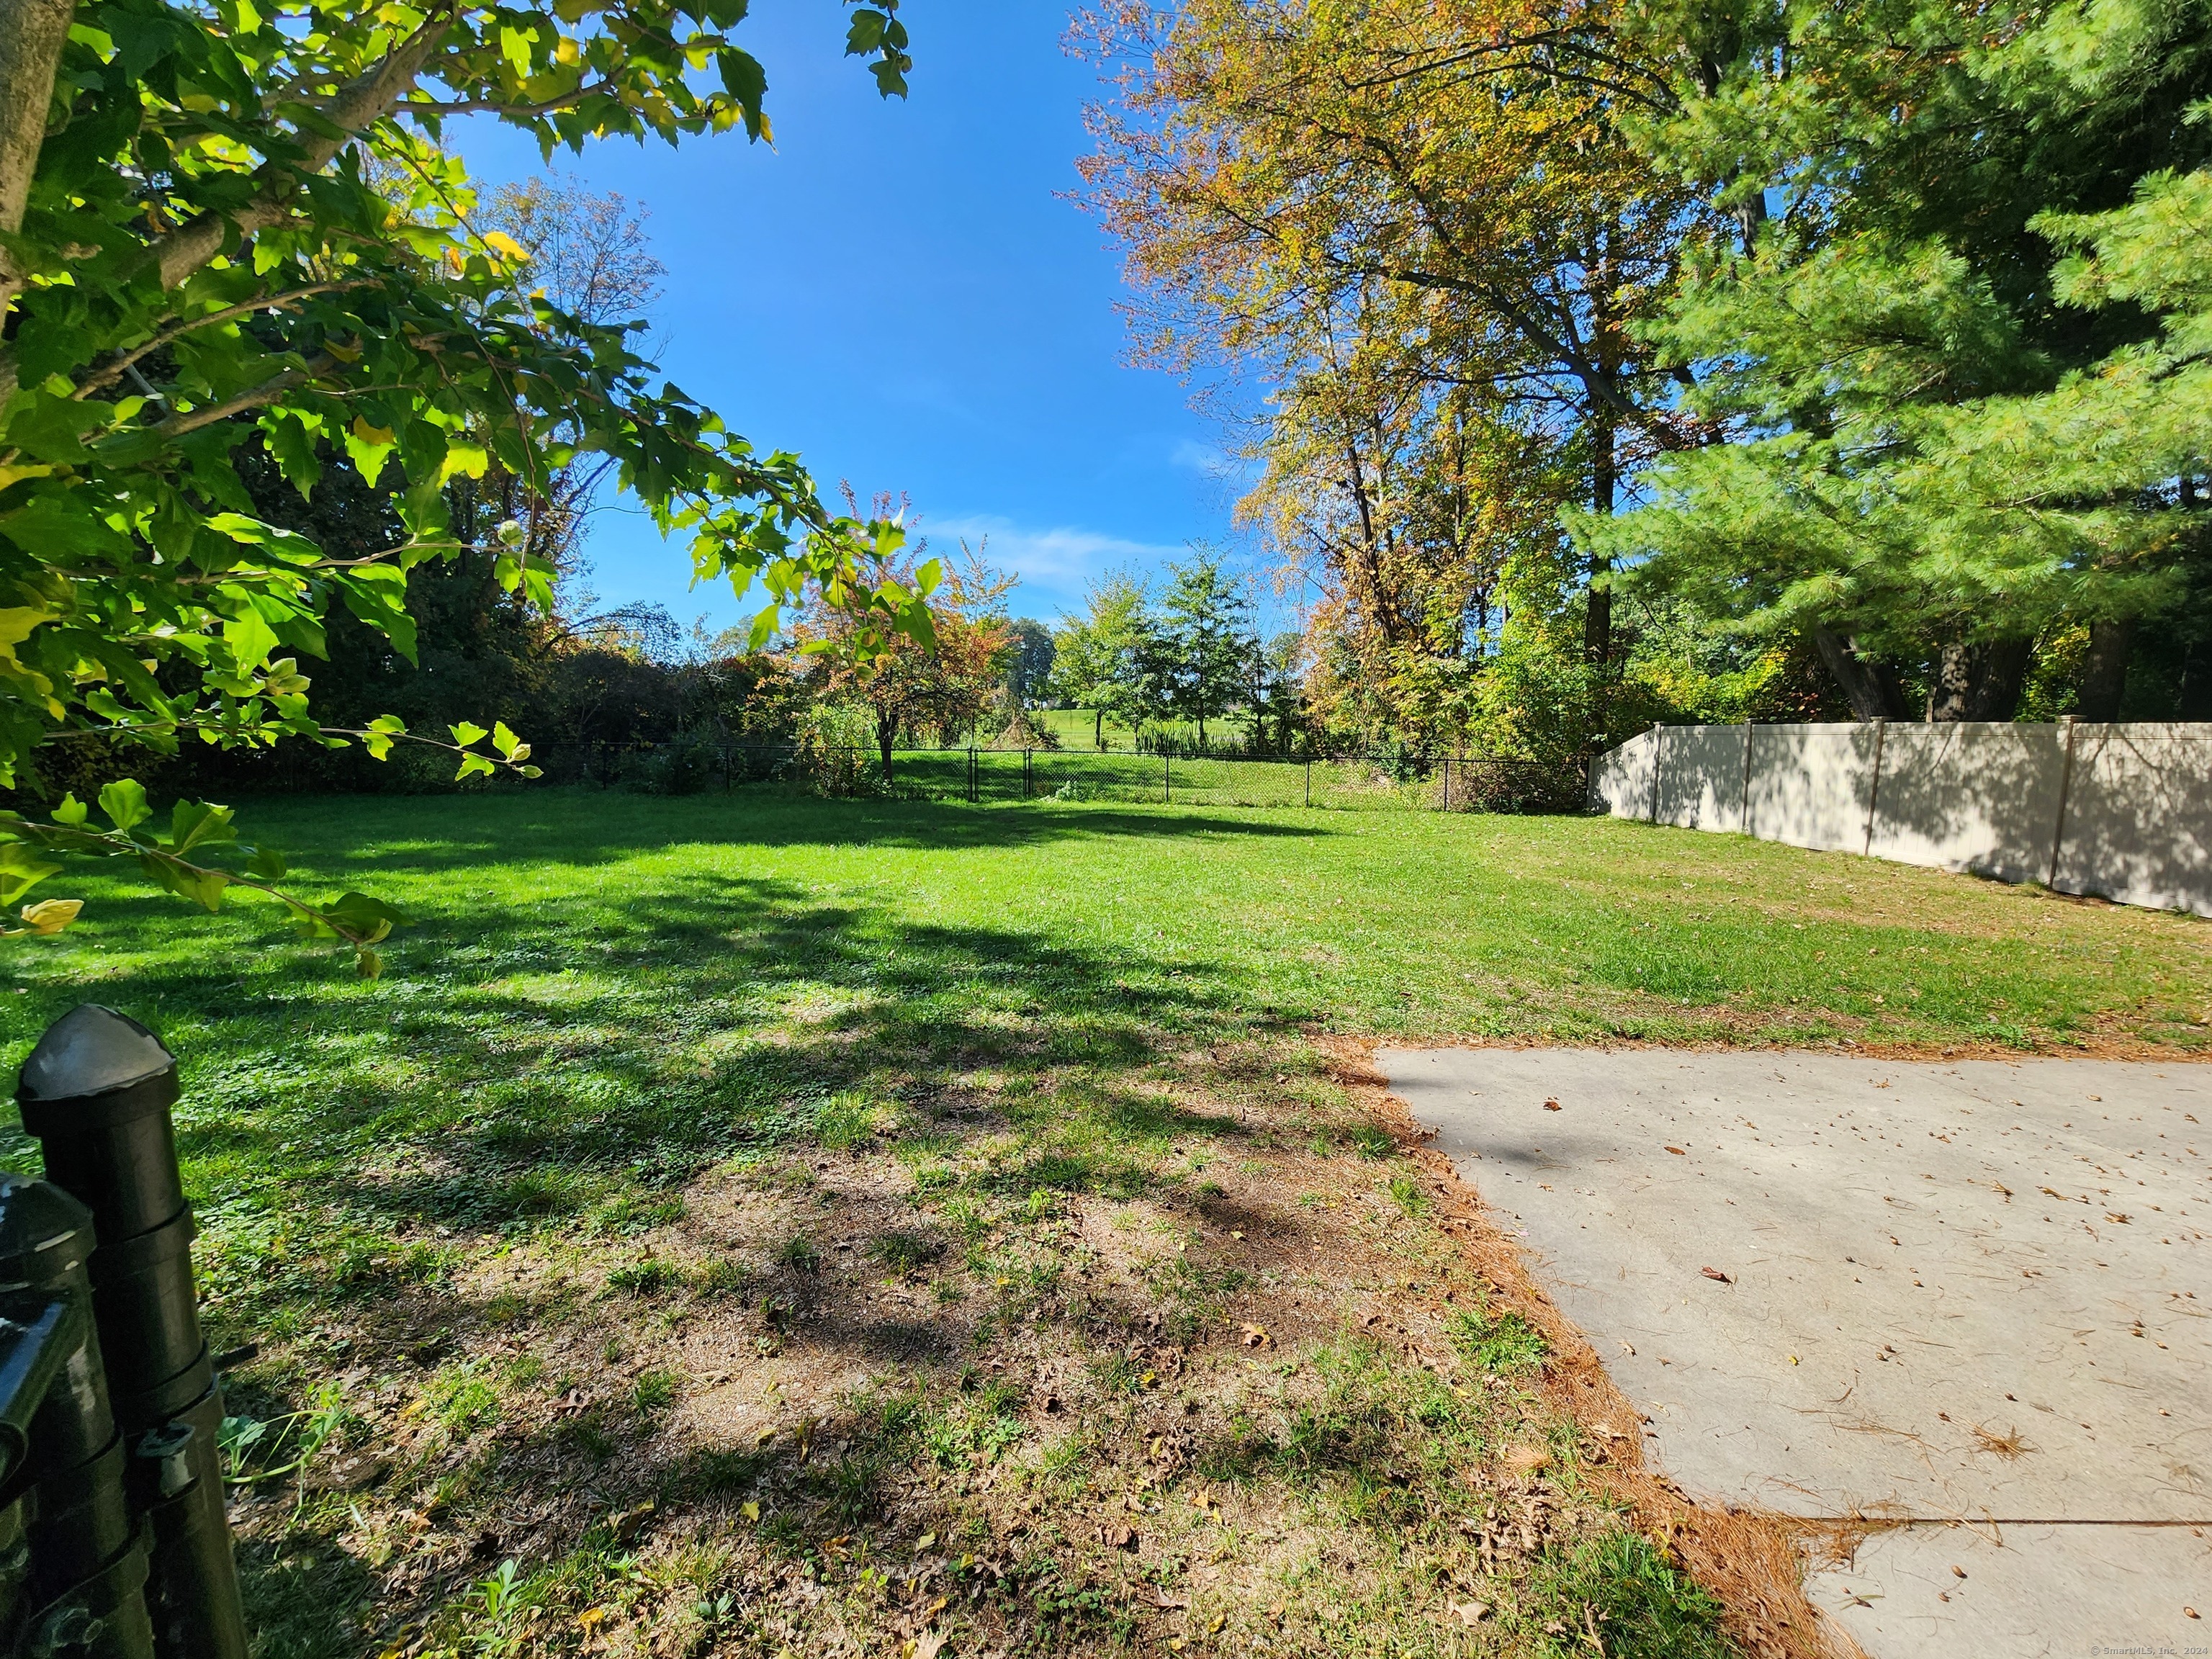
(92, 1050)
(43, 1230)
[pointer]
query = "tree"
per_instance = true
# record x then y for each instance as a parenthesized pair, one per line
(1960, 364)
(1029, 664)
(194, 252)
(1429, 203)
(940, 684)
(1096, 656)
(1205, 631)
(1274, 686)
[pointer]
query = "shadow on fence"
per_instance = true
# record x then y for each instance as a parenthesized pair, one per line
(1397, 782)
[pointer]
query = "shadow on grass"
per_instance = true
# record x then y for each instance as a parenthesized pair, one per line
(582, 827)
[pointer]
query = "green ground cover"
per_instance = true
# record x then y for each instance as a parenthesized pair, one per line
(1081, 775)
(1078, 728)
(749, 1223)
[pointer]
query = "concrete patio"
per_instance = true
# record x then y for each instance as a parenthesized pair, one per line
(1971, 1296)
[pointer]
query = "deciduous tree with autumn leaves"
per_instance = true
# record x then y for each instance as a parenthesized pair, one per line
(1826, 334)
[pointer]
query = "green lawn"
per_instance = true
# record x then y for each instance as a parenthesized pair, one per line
(838, 1176)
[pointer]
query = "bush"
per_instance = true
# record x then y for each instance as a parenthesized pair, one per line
(688, 764)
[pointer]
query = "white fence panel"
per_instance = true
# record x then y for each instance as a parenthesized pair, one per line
(1701, 776)
(2139, 816)
(1983, 797)
(1810, 785)
(1620, 778)
(2121, 811)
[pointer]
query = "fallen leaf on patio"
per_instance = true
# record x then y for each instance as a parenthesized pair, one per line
(1553, 1106)
(1715, 1272)
(1678, 1151)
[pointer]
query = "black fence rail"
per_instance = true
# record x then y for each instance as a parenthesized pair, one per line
(1449, 783)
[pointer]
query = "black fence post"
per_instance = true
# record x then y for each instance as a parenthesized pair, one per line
(1027, 786)
(1310, 780)
(83, 1564)
(1167, 775)
(96, 1094)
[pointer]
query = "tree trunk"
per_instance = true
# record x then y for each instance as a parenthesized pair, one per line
(2192, 698)
(2105, 674)
(31, 35)
(1597, 621)
(1870, 687)
(886, 731)
(1980, 682)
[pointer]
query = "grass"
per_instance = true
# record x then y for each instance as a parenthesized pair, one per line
(721, 1197)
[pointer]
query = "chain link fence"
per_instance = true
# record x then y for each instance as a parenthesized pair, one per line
(1458, 783)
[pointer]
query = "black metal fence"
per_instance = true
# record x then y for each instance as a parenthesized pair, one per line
(114, 1539)
(1452, 783)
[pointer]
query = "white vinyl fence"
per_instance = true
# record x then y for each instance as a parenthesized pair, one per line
(2121, 811)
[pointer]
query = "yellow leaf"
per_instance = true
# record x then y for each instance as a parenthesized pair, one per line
(378, 436)
(471, 460)
(15, 625)
(49, 916)
(506, 247)
(16, 472)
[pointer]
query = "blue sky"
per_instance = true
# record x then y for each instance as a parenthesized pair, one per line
(899, 292)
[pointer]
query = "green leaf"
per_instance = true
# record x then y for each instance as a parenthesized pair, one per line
(124, 803)
(865, 33)
(466, 732)
(364, 919)
(21, 870)
(191, 822)
(203, 887)
(267, 863)
(71, 811)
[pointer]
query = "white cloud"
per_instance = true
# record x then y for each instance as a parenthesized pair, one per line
(1055, 562)
(1193, 456)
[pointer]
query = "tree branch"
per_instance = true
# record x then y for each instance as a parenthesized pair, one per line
(192, 420)
(109, 373)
